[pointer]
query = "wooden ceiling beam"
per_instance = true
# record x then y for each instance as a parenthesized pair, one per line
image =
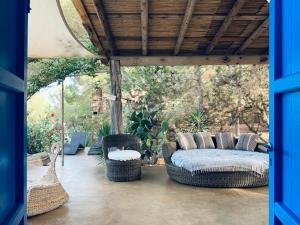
(253, 36)
(100, 11)
(88, 25)
(124, 16)
(229, 18)
(245, 33)
(185, 23)
(249, 17)
(190, 60)
(144, 25)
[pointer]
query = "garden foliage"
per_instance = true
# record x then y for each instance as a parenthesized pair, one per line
(43, 133)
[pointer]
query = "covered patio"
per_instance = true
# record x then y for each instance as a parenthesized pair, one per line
(174, 33)
(155, 200)
(131, 31)
(167, 33)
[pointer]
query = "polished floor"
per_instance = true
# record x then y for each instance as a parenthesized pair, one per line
(155, 200)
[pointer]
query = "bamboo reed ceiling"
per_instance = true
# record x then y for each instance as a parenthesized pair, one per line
(157, 28)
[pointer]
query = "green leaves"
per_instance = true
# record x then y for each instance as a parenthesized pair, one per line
(104, 130)
(136, 117)
(163, 131)
(164, 126)
(199, 121)
(143, 125)
(142, 132)
(140, 124)
(46, 71)
(42, 134)
(145, 122)
(155, 87)
(134, 126)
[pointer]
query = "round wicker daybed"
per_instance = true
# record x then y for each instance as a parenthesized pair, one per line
(219, 179)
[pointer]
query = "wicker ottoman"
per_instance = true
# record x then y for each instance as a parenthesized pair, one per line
(122, 171)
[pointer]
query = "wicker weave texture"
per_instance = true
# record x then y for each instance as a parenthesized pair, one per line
(48, 194)
(212, 179)
(121, 171)
(216, 179)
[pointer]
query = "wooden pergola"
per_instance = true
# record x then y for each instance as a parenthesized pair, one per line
(174, 32)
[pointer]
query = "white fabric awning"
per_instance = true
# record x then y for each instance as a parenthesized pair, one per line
(48, 35)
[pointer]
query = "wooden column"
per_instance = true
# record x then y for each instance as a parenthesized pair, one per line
(199, 87)
(144, 25)
(116, 105)
(62, 124)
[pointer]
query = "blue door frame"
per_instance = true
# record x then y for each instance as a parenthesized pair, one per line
(13, 60)
(285, 112)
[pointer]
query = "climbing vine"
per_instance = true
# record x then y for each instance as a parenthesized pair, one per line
(43, 72)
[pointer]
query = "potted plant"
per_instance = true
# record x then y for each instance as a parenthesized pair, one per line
(151, 133)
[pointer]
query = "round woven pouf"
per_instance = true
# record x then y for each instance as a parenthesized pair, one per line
(122, 171)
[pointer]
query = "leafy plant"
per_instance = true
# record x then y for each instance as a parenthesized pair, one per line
(156, 139)
(104, 130)
(43, 72)
(141, 124)
(198, 121)
(42, 134)
(153, 87)
(145, 126)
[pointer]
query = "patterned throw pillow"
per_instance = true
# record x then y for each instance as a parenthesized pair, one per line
(225, 140)
(204, 140)
(186, 141)
(247, 142)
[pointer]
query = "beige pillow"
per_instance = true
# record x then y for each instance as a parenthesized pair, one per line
(247, 142)
(225, 140)
(186, 141)
(204, 140)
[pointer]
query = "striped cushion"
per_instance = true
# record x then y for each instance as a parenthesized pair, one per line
(186, 141)
(225, 140)
(204, 140)
(247, 142)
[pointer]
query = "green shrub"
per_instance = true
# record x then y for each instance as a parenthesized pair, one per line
(104, 130)
(145, 125)
(42, 134)
(198, 121)
(89, 139)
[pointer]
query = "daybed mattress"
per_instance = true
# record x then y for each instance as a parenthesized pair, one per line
(218, 160)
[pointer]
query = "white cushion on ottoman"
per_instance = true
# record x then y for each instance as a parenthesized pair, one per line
(124, 155)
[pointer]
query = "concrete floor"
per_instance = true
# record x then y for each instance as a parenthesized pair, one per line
(155, 200)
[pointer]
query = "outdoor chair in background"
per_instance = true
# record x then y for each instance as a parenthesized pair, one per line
(96, 147)
(77, 143)
(122, 157)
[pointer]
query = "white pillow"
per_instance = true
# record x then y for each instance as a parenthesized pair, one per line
(124, 155)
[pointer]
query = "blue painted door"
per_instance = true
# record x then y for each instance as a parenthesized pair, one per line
(13, 40)
(285, 112)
